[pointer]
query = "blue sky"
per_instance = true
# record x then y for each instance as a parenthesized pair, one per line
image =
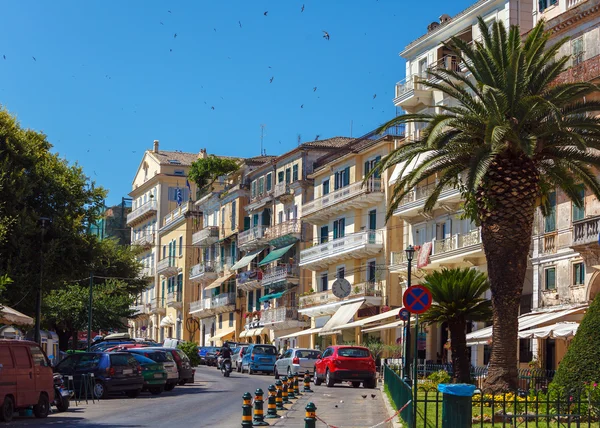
(104, 83)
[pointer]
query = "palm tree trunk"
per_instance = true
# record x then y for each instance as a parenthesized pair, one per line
(506, 205)
(460, 352)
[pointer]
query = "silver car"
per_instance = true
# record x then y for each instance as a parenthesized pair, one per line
(236, 357)
(296, 360)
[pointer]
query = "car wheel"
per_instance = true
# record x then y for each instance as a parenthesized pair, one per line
(316, 380)
(133, 393)
(355, 384)
(328, 380)
(8, 408)
(250, 371)
(276, 373)
(370, 384)
(156, 390)
(100, 390)
(169, 387)
(181, 382)
(42, 408)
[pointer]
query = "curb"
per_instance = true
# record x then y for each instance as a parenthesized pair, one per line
(291, 408)
(390, 408)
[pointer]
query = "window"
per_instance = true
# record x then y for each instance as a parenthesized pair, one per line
(354, 352)
(295, 172)
(253, 189)
(261, 186)
(280, 177)
(288, 175)
(342, 178)
(550, 219)
(370, 165)
(179, 172)
(173, 193)
(577, 50)
(254, 220)
(258, 296)
(250, 301)
(181, 246)
(578, 273)
(525, 352)
(233, 213)
(373, 220)
(324, 234)
(21, 357)
(371, 269)
(340, 272)
(220, 321)
(269, 182)
(280, 216)
(324, 282)
(339, 228)
(544, 4)
(164, 256)
(579, 213)
(230, 319)
(550, 278)
(6, 357)
(325, 187)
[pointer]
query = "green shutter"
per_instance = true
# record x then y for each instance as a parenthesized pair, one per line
(269, 183)
(280, 177)
(325, 187)
(377, 160)
(335, 229)
(250, 301)
(295, 172)
(324, 234)
(550, 279)
(258, 296)
(246, 223)
(550, 219)
(579, 213)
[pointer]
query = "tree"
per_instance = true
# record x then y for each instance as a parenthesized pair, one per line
(205, 171)
(510, 138)
(581, 363)
(458, 298)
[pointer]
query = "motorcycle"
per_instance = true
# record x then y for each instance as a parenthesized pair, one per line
(226, 367)
(62, 396)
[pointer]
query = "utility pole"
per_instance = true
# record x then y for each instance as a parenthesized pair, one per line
(44, 224)
(89, 331)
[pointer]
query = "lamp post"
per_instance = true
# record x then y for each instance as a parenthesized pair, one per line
(410, 253)
(44, 224)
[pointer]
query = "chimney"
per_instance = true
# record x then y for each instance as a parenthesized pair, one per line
(445, 18)
(202, 154)
(155, 146)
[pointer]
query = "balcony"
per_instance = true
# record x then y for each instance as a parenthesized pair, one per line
(137, 310)
(144, 212)
(459, 250)
(284, 233)
(204, 271)
(176, 214)
(249, 280)
(411, 92)
(167, 267)
(211, 306)
(586, 234)
(260, 200)
(281, 274)
(549, 242)
(281, 318)
(146, 273)
(252, 238)
(157, 306)
(223, 265)
(370, 290)
(356, 245)
(145, 241)
(174, 299)
(283, 192)
(412, 204)
(354, 196)
(448, 62)
(206, 237)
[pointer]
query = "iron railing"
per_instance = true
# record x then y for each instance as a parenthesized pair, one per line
(251, 235)
(353, 241)
(290, 227)
(206, 236)
(344, 193)
(368, 288)
(148, 208)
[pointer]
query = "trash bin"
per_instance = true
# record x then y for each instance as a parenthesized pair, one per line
(457, 406)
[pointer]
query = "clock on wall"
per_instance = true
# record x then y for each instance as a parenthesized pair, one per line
(341, 288)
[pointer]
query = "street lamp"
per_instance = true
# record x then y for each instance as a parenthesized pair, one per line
(410, 253)
(44, 224)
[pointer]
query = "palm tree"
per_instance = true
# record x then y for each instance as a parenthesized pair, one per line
(511, 138)
(458, 297)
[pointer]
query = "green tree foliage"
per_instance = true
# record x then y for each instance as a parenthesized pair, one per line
(512, 136)
(581, 363)
(458, 298)
(191, 350)
(205, 171)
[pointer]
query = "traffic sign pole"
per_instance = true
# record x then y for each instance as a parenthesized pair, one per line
(414, 376)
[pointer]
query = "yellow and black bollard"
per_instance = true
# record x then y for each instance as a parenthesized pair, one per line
(290, 383)
(259, 416)
(272, 403)
(247, 410)
(284, 391)
(296, 386)
(310, 421)
(307, 382)
(279, 399)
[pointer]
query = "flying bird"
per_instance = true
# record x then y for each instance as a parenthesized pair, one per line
(161, 23)
(212, 108)
(170, 50)
(169, 11)
(34, 58)
(215, 29)
(302, 106)
(271, 79)
(374, 96)
(317, 137)
(315, 89)
(266, 12)
(325, 35)
(4, 56)
(175, 35)
(240, 22)
(302, 8)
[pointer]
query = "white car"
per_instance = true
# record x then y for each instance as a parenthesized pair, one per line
(296, 360)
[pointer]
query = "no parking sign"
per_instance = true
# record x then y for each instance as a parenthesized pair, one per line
(417, 299)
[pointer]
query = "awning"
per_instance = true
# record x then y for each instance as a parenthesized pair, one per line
(375, 318)
(561, 330)
(12, 316)
(276, 254)
(395, 324)
(301, 333)
(245, 261)
(341, 317)
(272, 296)
(167, 321)
(219, 281)
(253, 332)
(222, 334)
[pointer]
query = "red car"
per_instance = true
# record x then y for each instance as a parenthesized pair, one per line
(353, 364)
(125, 346)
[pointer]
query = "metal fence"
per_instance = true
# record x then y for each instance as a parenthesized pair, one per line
(399, 391)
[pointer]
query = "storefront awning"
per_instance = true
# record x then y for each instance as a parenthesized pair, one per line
(246, 260)
(375, 318)
(341, 317)
(12, 316)
(272, 296)
(389, 326)
(301, 333)
(276, 254)
(561, 330)
(253, 332)
(167, 322)
(218, 282)
(222, 334)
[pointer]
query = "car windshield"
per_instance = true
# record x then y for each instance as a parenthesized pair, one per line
(354, 352)
(143, 360)
(122, 360)
(307, 354)
(266, 350)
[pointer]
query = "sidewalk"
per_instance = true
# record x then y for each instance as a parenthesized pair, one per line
(341, 406)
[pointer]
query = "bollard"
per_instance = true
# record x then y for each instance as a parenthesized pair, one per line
(259, 418)
(272, 403)
(310, 421)
(457, 406)
(290, 383)
(307, 382)
(296, 386)
(279, 399)
(284, 390)
(247, 410)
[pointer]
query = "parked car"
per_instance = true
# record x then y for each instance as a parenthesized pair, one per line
(167, 361)
(124, 346)
(354, 364)
(236, 357)
(184, 367)
(103, 346)
(155, 375)
(170, 343)
(113, 372)
(259, 358)
(296, 360)
(211, 356)
(26, 378)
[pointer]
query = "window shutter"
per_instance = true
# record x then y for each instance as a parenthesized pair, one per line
(335, 229)
(347, 176)
(336, 184)
(342, 227)
(367, 168)
(377, 160)
(280, 177)
(250, 301)
(269, 184)
(325, 187)
(324, 234)
(295, 173)
(246, 223)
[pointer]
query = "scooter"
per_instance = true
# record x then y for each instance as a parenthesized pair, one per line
(226, 367)
(62, 396)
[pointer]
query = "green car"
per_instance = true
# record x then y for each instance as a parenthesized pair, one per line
(155, 375)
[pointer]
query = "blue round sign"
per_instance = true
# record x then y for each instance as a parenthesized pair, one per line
(404, 314)
(417, 299)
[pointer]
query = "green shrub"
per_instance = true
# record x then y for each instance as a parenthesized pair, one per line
(581, 363)
(434, 379)
(191, 350)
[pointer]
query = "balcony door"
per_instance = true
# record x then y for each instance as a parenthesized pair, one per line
(420, 236)
(443, 230)
(324, 234)
(339, 228)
